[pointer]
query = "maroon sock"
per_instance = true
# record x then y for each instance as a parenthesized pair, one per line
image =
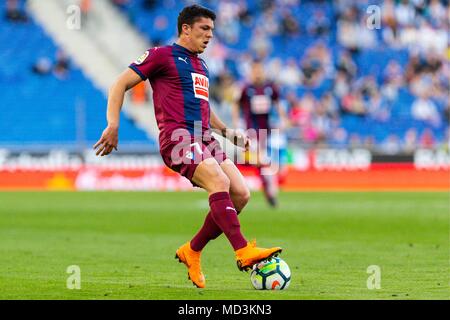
(225, 216)
(209, 231)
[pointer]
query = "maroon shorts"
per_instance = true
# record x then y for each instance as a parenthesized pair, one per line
(185, 154)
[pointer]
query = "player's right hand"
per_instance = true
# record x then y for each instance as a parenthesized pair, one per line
(108, 141)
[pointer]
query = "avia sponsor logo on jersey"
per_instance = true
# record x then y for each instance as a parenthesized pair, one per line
(201, 86)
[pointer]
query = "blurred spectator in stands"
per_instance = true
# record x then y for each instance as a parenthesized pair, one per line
(367, 86)
(13, 12)
(427, 139)
(405, 13)
(341, 85)
(292, 104)
(432, 62)
(390, 31)
(228, 27)
(346, 64)
(62, 64)
(446, 112)
(316, 64)
(391, 145)
(369, 142)
(410, 141)
(378, 109)
(43, 66)
(300, 111)
(347, 29)
(290, 75)
(289, 25)
(330, 104)
(269, 22)
(226, 93)
(436, 12)
(420, 6)
(352, 31)
(422, 84)
(428, 38)
(339, 138)
(355, 141)
(322, 124)
(273, 68)
(319, 25)
(245, 16)
(260, 44)
(424, 109)
(393, 73)
(366, 38)
(353, 103)
(413, 67)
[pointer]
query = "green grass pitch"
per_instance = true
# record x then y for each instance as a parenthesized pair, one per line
(124, 244)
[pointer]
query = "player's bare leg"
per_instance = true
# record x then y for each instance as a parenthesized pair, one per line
(239, 192)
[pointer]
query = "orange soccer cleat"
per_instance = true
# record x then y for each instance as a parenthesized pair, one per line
(249, 255)
(191, 259)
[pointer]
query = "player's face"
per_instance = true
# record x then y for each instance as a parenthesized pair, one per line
(200, 33)
(258, 73)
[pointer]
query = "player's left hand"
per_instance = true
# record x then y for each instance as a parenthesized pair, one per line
(108, 141)
(239, 138)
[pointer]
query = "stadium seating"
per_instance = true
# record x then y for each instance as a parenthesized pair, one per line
(43, 109)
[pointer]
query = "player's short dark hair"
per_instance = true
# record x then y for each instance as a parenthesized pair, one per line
(189, 15)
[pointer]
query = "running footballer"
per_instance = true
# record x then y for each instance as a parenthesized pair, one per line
(180, 83)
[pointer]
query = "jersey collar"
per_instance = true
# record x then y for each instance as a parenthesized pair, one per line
(184, 49)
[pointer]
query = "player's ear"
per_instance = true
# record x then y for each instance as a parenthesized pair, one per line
(186, 29)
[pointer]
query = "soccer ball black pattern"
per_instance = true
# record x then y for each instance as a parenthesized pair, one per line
(273, 274)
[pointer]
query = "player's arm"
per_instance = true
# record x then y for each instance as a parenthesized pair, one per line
(285, 122)
(110, 136)
(236, 136)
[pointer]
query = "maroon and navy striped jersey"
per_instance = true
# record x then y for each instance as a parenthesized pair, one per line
(256, 102)
(180, 83)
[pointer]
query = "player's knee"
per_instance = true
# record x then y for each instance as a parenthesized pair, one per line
(223, 183)
(241, 198)
(219, 182)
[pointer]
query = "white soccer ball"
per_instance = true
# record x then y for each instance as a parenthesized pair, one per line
(273, 274)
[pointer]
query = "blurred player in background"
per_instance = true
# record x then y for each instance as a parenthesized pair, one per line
(254, 104)
(180, 82)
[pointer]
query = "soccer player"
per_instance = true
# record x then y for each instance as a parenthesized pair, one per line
(180, 82)
(255, 104)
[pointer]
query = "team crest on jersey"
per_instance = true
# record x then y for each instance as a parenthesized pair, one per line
(201, 86)
(142, 58)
